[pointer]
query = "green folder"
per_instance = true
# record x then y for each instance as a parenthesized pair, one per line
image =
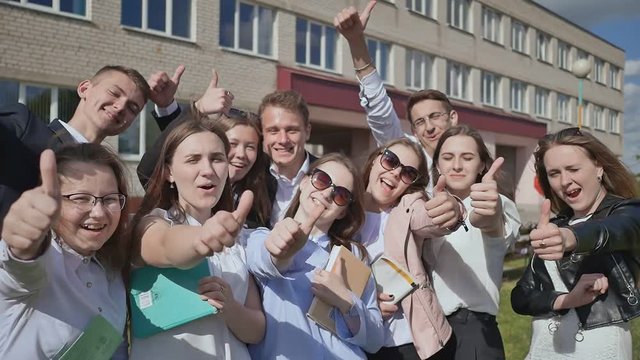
(98, 341)
(164, 298)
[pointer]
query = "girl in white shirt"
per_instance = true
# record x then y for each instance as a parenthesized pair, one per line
(62, 255)
(185, 218)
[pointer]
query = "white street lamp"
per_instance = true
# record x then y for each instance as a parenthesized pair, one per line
(581, 68)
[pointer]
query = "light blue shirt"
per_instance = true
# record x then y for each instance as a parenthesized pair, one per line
(286, 299)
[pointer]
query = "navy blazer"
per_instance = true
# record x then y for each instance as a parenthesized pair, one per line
(22, 138)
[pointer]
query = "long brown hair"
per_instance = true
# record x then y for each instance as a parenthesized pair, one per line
(255, 179)
(115, 251)
(423, 180)
(159, 193)
(342, 231)
(616, 178)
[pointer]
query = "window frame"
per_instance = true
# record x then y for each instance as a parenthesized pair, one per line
(53, 9)
(490, 81)
(144, 25)
(521, 88)
(517, 40)
(462, 11)
(426, 6)
(563, 108)
(323, 46)
(462, 79)
(385, 74)
(54, 105)
(563, 57)
(255, 51)
(495, 19)
(597, 120)
(613, 121)
(426, 67)
(599, 75)
(614, 77)
(538, 102)
(542, 47)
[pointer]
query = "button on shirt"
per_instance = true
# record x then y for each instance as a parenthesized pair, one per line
(286, 189)
(45, 303)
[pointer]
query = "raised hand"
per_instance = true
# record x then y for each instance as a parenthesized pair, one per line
(289, 236)
(443, 208)
(547, 240)
(351, 24)
(485, 200)
(30, 218)
(223, 228)
(215, 99)
(163, 87)
(585, 291)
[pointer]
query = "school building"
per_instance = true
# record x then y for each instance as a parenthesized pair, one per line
(506, 64)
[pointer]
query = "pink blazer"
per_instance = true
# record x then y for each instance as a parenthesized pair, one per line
(407, 227)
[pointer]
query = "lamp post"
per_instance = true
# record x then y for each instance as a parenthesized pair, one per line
(581, 68)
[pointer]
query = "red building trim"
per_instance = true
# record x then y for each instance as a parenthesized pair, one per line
(332, 92)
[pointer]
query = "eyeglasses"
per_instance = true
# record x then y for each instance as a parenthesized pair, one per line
(86, 202)
(321, 181)
(572, 131)
(237, 113)
(390, 161)
(433, 117)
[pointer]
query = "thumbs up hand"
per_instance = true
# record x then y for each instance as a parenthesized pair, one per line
(163, 87)
(289, 236)
(485, 200)
(215, 99)
(443, 208)
(549, 241)
(30, 218)
(351, 24)
(223, 228)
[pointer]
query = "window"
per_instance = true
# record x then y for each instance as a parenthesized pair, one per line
(491, 25)
(614, 74)
(518, 96)
(599, 70)
(564, 108)
(597, 120)
(380, 53)
(418, 69)
(246, 27)
(420, 6)
(490, 88)
(46, 102)
(542, 102)
(564, 61)
(542, 46)
(316, 44)
(612, 124)
(67, 7)
(586, 115)
(519, 36)
(459, 14)
(457, 81)
(167, 17)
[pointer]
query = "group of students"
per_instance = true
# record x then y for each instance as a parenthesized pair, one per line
(238, 190)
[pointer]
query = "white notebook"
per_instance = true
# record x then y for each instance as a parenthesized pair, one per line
(392, 279)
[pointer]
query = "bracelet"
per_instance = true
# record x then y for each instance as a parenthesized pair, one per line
(364, 67)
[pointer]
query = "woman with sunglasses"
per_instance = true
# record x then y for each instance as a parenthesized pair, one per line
(467, 265)
(581, 284)
(288, 260)
(62, 255)
(397, 224)
(185, 219)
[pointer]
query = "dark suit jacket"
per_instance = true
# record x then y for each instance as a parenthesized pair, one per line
(22, 138)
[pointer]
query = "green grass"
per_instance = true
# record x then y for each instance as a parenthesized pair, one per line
(516, 329)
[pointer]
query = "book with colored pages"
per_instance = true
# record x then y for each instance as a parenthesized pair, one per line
(98, 341)
(356, 274)
(392, 279)
(164, 298)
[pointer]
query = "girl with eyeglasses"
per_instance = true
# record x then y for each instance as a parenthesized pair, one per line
(398, 223)
(581, 284)
(62, 255)
(185, 219)
(467, 265)
(288, 260)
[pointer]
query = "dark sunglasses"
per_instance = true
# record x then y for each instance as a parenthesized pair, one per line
(321, 181)
(237, 113)
(572, 131)
(390, 161)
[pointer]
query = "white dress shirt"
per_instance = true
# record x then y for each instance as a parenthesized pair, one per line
(75, 134)
(286, 189)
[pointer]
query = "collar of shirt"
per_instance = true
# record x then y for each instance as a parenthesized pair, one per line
(74, 133)
(273, 169)
(77, 258)
(322, 240)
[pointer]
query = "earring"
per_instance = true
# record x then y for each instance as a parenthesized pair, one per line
(599, 178)
(172, 185)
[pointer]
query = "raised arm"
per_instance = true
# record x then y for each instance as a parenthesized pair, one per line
(381, 116)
